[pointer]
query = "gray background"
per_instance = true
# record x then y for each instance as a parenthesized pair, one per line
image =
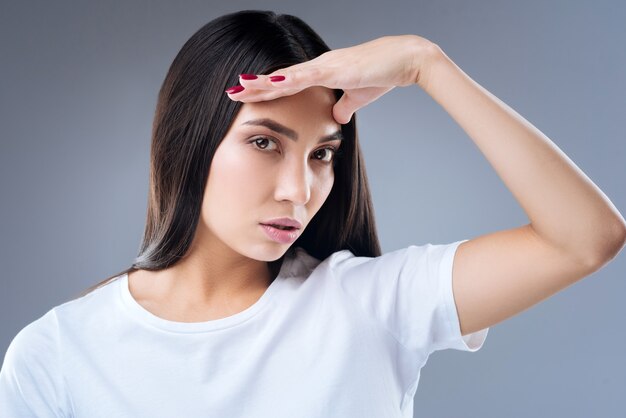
(78, 89)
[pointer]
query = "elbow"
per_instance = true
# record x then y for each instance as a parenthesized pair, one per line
(611, 243)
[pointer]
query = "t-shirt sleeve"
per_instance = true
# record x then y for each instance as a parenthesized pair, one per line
(30, 379)
(409, 291)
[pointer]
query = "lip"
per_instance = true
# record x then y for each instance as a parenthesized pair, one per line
(280, 235)
(283, 222)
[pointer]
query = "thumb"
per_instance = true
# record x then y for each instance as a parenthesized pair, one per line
(343, 109)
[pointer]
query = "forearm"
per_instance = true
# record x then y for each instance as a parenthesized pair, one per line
(564, 206)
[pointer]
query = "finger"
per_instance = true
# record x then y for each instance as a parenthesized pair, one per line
(263, 81)
(353, 100)
(341, 117)
(255, 82)
(300, 77)
(255, 95)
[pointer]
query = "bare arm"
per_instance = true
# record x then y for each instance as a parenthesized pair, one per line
(574, 228)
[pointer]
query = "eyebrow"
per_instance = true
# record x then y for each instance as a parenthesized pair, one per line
(288, 132)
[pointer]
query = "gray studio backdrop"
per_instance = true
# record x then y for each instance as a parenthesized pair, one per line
(79, 84)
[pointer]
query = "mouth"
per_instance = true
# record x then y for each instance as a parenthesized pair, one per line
(284, 228)
(280, 233)
(285, 223)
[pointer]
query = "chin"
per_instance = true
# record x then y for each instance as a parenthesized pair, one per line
(280, 250)
(268, 252)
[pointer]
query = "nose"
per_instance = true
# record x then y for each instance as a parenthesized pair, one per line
(293, 182)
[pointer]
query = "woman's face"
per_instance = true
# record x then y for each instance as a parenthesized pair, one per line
(260, 172)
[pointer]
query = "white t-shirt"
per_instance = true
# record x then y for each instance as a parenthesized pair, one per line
(345, 337)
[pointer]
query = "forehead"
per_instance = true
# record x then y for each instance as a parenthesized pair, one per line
(309, 110)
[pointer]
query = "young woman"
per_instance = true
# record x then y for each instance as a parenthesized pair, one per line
(260, 289)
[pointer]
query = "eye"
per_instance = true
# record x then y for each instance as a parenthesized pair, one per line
(333, 154)
(261, 142)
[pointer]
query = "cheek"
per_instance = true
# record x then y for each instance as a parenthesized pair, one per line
(234, 179)
(323, 186)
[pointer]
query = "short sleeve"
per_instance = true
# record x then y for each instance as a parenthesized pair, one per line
(30, 380)
(409, 291)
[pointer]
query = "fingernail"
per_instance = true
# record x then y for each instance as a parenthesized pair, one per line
(234, 89)
(276, 78)
(248, 76)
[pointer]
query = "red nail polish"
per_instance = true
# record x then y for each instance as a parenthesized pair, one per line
(276, 78)
(234, 89)
(248, 76)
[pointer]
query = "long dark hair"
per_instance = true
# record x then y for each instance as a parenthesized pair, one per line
(193, 114)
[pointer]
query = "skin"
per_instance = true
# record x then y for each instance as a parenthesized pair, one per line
(574, 228)
(226, 268)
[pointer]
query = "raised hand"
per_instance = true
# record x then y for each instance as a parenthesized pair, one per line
(364, 72)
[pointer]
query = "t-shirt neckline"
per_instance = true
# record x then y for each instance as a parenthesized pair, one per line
(142, 314)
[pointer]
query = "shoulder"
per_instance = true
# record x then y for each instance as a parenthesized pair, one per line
(344, 265)
(42, 336)
(99, 299)
(35, 344)
(44, 328)
(298, 262)
(31, 378)
(39, 342)
(346, 260)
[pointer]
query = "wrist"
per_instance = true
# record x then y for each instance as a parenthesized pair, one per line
(427, 54)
